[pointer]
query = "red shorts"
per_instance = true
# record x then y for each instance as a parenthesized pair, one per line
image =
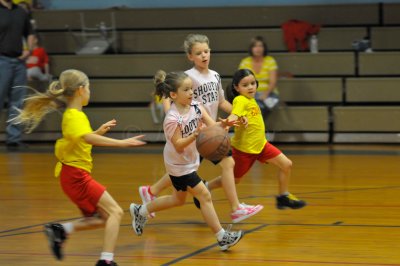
(81, 188)
(244, 161)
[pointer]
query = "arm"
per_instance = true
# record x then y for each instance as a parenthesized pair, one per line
(226, 106)
(181, 143)
(98, 140)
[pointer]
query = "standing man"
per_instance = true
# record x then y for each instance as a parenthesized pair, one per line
(14, 28)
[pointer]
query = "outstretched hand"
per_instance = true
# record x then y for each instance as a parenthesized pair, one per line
(226, 123)
(104, 128)
(134, 141)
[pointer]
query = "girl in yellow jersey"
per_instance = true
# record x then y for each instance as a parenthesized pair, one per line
(74, 166)
(249, 143)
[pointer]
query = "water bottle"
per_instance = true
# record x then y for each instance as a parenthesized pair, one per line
(314, 44)
(103, 29)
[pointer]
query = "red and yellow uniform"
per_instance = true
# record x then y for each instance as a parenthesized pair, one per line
(250, 144)
(75, 162)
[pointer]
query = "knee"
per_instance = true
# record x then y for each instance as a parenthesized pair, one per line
(228, 163)
(205, 196)
(117, 212)
(287, 166)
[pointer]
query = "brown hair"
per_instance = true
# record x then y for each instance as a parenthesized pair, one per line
(253, 43)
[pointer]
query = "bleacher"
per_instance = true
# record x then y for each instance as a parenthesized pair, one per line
(335, 96)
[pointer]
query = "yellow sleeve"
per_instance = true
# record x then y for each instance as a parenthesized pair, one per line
(239, 106)
(244, 63)
(75, 125)
(271, 64)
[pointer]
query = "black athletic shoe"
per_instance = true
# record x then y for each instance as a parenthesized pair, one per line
(195, 200)
(56, 236)
(106, 263)
(289, 201)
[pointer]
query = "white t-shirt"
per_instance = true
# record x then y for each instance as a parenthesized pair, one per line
(188, 161)
(207, 89)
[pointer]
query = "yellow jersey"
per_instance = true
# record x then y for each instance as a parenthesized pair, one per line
(269, 64)
(72, 149)
(251, 139)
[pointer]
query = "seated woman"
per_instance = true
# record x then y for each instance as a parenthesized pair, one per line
(266, 72)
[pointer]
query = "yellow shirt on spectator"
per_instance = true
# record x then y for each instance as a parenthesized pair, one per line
(251, 139)
(269, 64)
(72, 150)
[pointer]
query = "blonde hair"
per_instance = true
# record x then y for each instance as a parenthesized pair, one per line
(40, 104)
(192, 39)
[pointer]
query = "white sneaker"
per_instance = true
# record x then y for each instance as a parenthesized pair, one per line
(138, 221)
(230, 238)
(146, 197)
(245, 211)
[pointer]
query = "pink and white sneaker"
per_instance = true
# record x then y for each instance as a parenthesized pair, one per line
(147, 197)
(245, 211)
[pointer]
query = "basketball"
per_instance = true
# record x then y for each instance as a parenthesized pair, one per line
(213, 143)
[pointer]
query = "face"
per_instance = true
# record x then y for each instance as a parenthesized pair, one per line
(85, 94)
(184, 94)
(258, 49)
(200, 55)
(247, 86)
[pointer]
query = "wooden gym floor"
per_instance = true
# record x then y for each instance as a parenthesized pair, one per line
(353, 216)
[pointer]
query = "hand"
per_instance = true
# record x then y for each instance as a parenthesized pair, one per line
(104, 128)
(244, 121)
(225, 123)
(134, 141)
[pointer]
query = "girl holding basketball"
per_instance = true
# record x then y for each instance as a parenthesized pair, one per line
(249, 143)
(74, 165)
(207, 89)
(181, 126)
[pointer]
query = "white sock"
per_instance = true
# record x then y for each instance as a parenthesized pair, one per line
(220, 234)
(143, 211)
(68, 227)
(107, 256)
(286, 193)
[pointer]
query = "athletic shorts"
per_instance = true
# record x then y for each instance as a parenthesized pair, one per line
(182, 182)
(217, 162)
(244, 161)
(81, 188)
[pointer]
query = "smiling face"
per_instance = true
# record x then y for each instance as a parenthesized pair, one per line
(184, 94)
(200, 55)
(247, 86)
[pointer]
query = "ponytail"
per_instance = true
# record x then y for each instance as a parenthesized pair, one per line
(167, 83)
(40, 104)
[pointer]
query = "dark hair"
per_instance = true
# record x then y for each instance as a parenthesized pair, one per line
(167, 83)
(237, 77)
(253, 43)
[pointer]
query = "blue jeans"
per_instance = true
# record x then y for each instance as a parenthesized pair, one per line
(12, 75)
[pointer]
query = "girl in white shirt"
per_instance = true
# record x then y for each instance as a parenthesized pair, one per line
(181, 126)
(207, 89)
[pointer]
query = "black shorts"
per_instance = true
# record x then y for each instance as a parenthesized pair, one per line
(217, 162)
(182, 182)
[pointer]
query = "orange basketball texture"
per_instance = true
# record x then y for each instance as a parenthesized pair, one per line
(213, 143)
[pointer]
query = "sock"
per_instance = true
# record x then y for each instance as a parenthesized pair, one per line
(148, 190)
(107, 256)
(220, 234)
(286, 193)
(143, 211)
(68, 228)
